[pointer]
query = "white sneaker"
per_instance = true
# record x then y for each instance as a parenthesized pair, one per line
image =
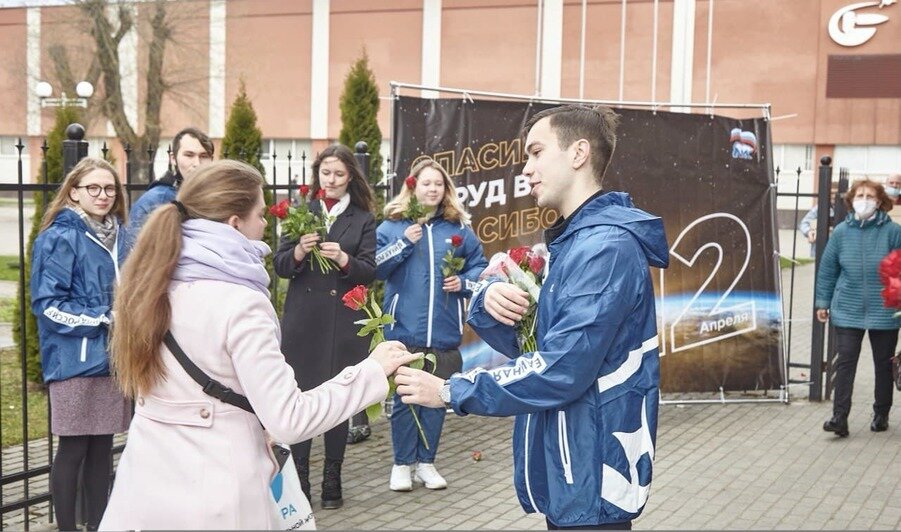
(428, 475)
(400, 478)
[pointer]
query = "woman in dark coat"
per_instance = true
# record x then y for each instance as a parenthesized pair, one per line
(319, 337)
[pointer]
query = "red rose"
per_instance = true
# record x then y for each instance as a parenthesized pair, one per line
(355, 298)
(890, 266)
(536, 264)
(456, 241)
(280, 209)
(519, 255)
(304, 191)
(320, 194)
(410, 181)
(891, 294)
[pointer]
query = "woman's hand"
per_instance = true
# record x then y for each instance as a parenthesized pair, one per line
(332, 250)
(392, 355)
(305, 245)
(452, 284)
(823, 314)
(413, 233)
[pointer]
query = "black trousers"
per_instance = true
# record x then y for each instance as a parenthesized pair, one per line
(625, 525)
(94, 452)
(335, 444)
(848, 342)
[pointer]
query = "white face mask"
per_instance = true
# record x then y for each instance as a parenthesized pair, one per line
(864, 208)
(893, 192)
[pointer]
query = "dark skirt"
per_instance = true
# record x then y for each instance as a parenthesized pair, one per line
(83, 406)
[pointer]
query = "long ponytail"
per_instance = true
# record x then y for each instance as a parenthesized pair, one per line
(141, 311)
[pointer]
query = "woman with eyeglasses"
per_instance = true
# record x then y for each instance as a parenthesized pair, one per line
(75, 268)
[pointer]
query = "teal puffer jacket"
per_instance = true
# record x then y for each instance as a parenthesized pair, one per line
(848, 277)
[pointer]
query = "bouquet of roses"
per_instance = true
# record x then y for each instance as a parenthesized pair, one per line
(300, 220)
(890, 275)
(361, 298)
(415, 211)
(523, 267)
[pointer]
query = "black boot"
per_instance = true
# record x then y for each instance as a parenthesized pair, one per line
(303, 473)
(880, 423)
(358, 433)
(331, 485)
(838, 425)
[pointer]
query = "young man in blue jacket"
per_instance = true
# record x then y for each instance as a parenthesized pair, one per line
(191, 148)
(586, 400)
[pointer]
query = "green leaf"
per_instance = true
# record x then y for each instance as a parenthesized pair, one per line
(386, 319)
(392, 387)
(417, 364)
(374, 412)
(370, 327)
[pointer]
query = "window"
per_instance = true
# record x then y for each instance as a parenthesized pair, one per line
(790, 157)
(875, 162)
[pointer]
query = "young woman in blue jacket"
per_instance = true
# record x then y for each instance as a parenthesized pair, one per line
(75, 268)
(428, 308)
(848, 294)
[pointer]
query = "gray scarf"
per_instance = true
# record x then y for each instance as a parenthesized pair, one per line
(105, 230)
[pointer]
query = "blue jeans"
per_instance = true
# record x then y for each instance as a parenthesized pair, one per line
(408, 447)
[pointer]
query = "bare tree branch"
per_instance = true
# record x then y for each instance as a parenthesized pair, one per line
(156, 84)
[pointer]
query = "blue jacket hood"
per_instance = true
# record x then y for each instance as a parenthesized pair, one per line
(70, 218)
(617, 209)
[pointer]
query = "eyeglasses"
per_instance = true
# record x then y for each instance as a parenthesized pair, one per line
(94, 190)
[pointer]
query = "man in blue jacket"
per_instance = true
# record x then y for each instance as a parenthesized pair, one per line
(191, 148)
(586, 400)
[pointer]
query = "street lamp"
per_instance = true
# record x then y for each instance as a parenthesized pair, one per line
(84, 90)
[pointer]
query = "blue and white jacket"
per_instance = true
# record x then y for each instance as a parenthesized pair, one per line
(586, 401)
(160, 192)
(72, 281)
(424, 314)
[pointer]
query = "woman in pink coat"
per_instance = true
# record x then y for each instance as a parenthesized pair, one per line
(192, 461)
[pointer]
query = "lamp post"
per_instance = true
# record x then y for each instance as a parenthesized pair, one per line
(84, 90)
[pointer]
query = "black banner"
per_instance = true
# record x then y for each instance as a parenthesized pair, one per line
(709, 178)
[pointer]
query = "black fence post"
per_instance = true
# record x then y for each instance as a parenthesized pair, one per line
(361, 154)
(74, 147)
(818, 330)
(839, 213)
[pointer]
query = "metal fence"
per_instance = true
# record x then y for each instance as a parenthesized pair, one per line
(819, 366)
(25, 469)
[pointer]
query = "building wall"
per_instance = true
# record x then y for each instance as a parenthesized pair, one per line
(772, 51)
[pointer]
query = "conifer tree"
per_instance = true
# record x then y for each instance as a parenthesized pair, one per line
(53, 161)
(359, 116)
(243, 142)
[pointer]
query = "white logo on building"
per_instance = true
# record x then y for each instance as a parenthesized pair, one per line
(847, 27)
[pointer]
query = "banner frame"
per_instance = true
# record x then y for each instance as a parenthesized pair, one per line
(784, 395)
(765, 108)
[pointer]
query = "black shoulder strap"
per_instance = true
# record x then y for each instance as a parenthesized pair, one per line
(210, 386)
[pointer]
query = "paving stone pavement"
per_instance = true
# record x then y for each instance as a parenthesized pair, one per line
(717, 466)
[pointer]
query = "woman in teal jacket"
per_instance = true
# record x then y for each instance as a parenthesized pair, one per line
(848, 293)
